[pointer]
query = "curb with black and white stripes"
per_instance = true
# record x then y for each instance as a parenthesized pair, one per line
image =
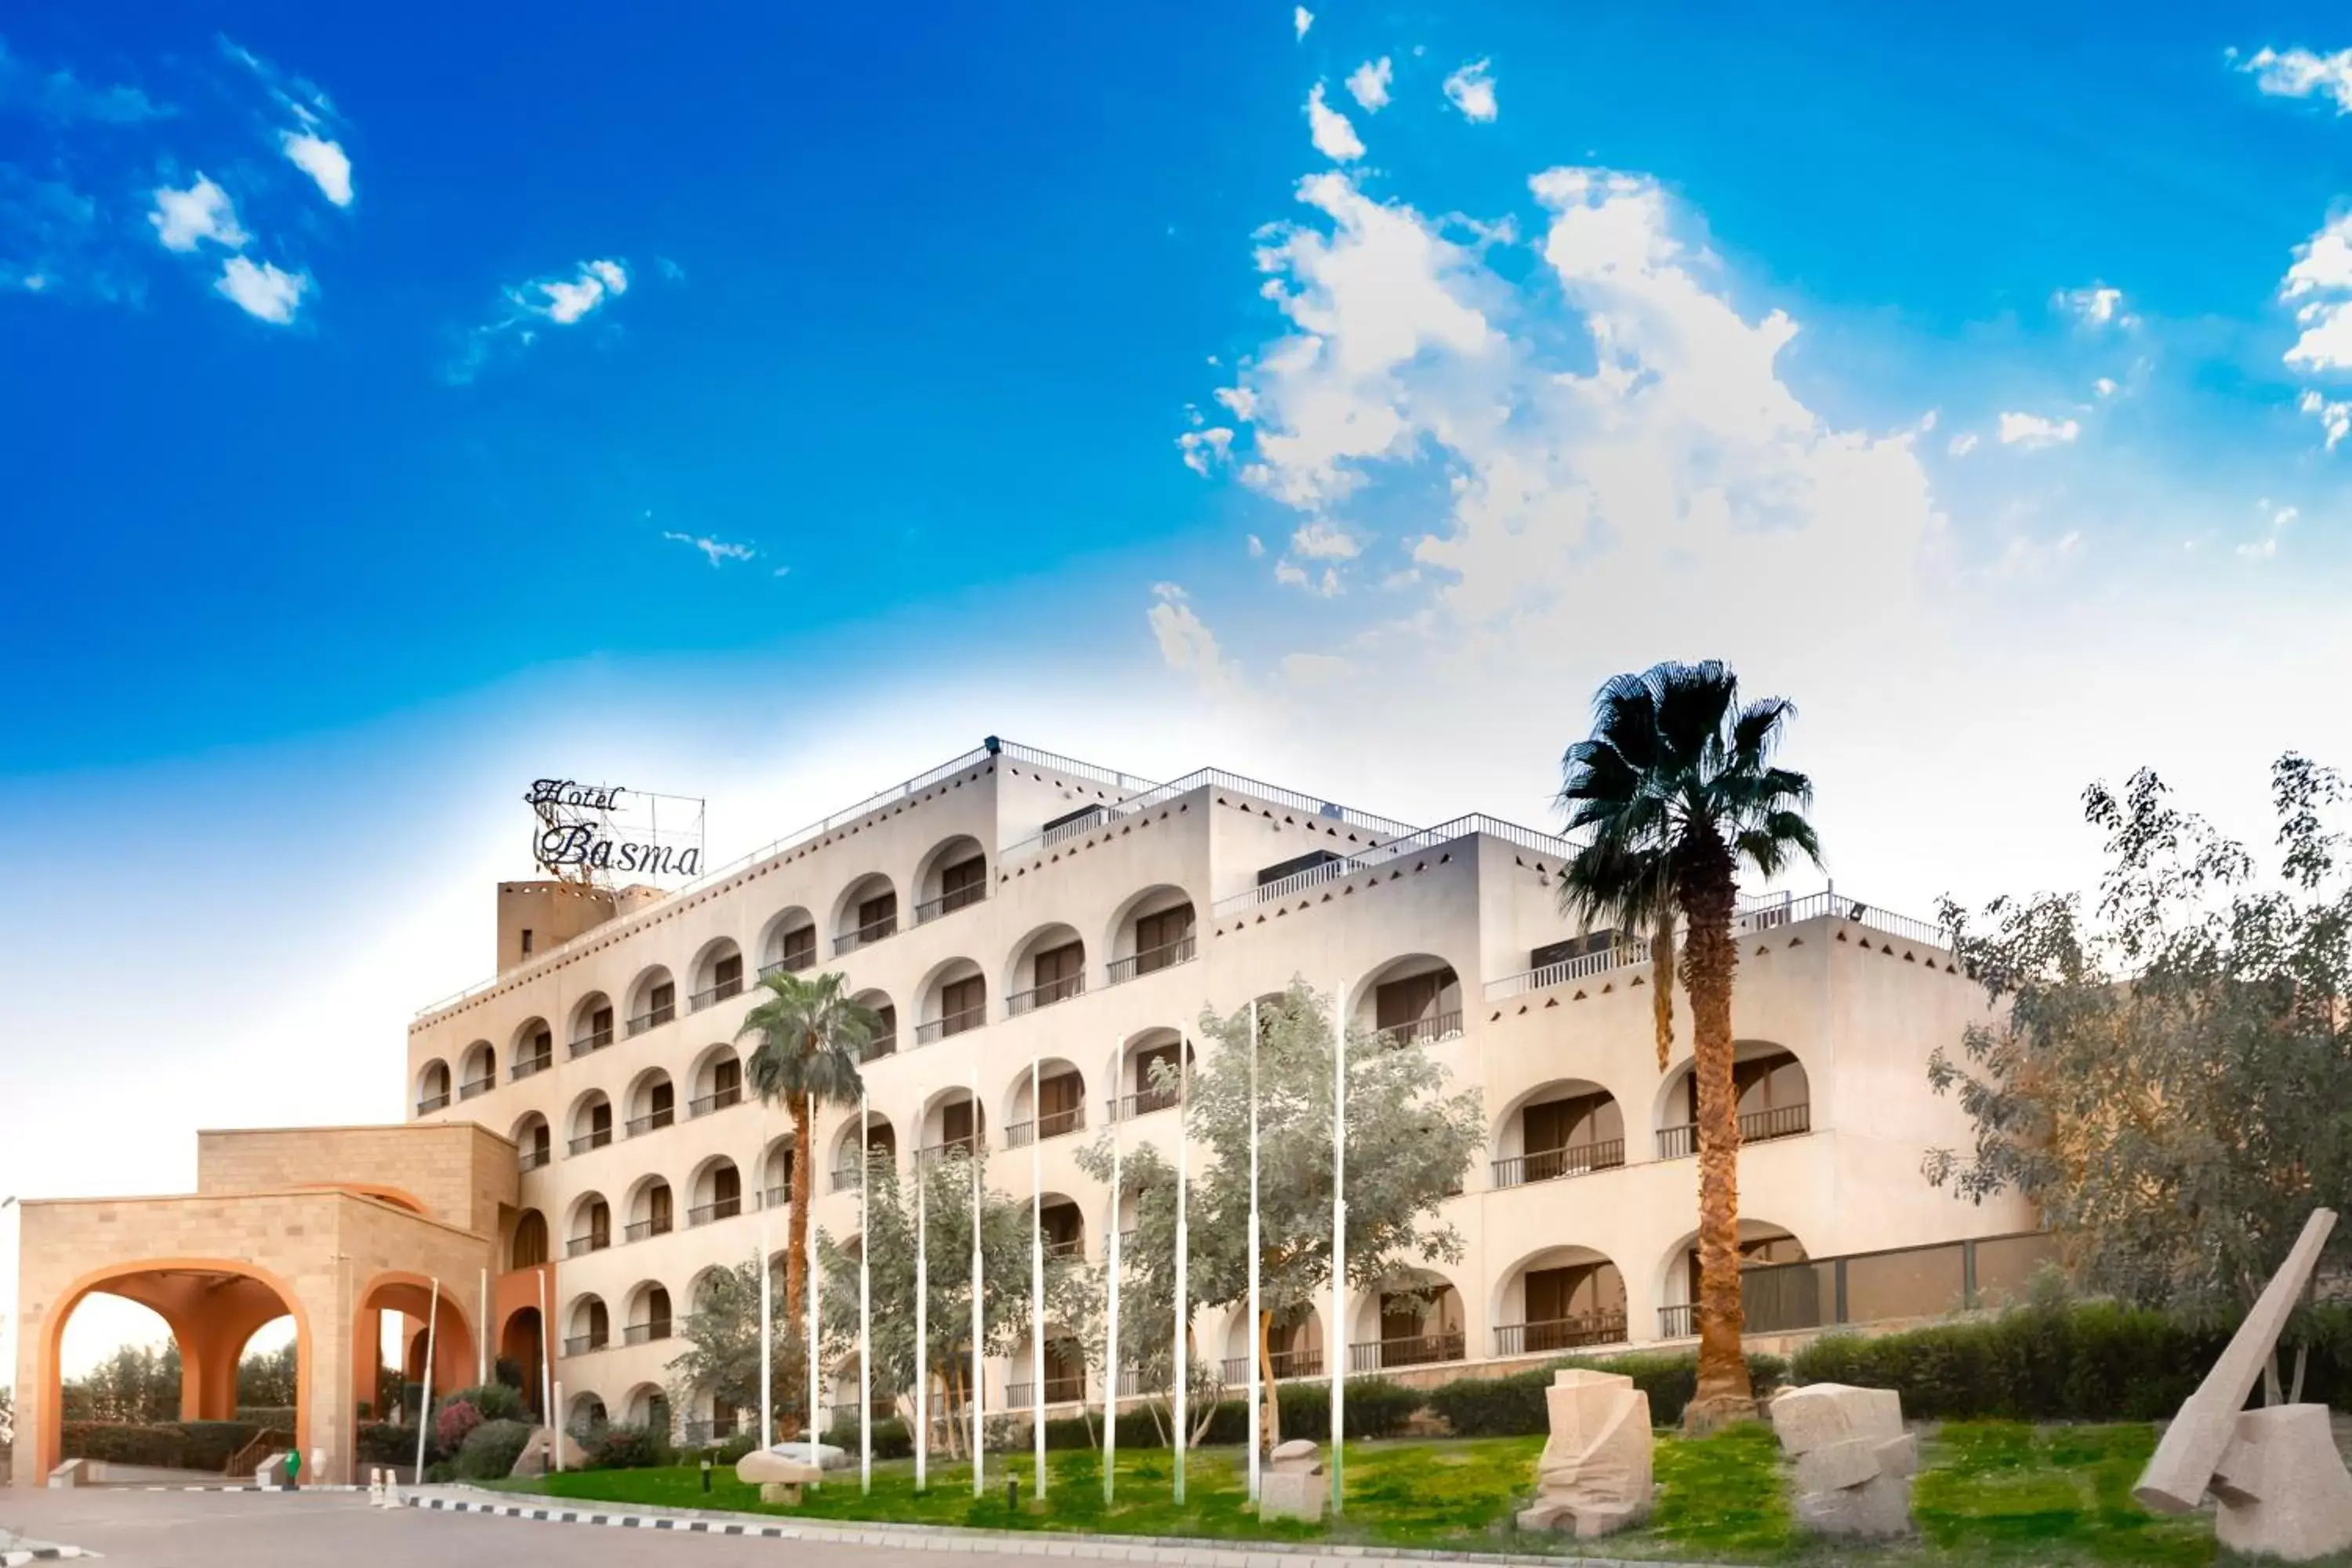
(18, 1556)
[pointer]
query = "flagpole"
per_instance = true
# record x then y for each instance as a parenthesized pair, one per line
(979, 1309)
(767, 1303)
(922, 1328)
(1183, 1292)
(425, 1412)
(865, 1306)
(1036, 1275)
(482, 1340)
(546, 1357)
(1110, 1332)
(1256, 1372)
(813, 1293)
(1339, 1335)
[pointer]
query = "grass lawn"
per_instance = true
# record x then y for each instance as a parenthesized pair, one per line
(1989, 1493)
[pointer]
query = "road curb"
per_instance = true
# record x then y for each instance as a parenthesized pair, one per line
(18, 1556)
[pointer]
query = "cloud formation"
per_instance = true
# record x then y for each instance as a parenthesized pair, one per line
(718, 551)
(1333, 136)
(2096, 306)
(2300, 73)
(261, 289)
(323, 161)
(558, 299)
(1301, 18)
(59, 95)
(184, 219)
(2030, 431)
(1368, 84)
(1471, 89)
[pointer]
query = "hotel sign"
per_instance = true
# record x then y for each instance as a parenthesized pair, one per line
(595, 832)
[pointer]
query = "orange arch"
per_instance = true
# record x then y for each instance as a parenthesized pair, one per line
(393, 1195)
(454, 1363)
(50, 1397)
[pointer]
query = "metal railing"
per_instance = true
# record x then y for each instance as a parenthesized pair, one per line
(717, 1100)
(1053, 1124)
(953, 1024)
(932, 1153)
(596, 1140)
(1424, 1031)
(948, 903)
(1065, 1247)
(519, 1070)
(879, 1046)
(715, 995)
(795, 962)
(865, 935)
(1286, 1365)
(1045, 996)
(1755, 1127)
(1631, 950)
(1418, 1350)
(1933, 1279)
(1678, 1322)
(777, 1197)
(473, 1086)
(1058, 1390)
(652, 1120)
(594, 1040)
(724, 1208)
(645, 1334)
(1152, 960)
(533, 1159)
(1409, 841)
(1550, 1164)
(1559, 1334)
(431, 1103)
(702, 1434)
(641, 1229)
(595, 1241)
(581, 1344)
(652, 1018)
(1143, 1102)
(847, 1178)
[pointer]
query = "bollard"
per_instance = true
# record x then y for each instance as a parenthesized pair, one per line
(705, 1472)
(375, 1488)
(1012, 1496)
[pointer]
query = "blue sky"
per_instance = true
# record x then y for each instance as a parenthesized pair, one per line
(768, 404)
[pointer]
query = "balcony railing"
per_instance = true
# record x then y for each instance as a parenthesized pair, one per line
(1058, 1390)
(645, 1334)
(884, 1408)
(595, 1241)
(533, 1159)
(847, 1178)
(1550, 1164)
(1419, 1350)
(1559, 1334)
(641, 1229)
(431, 1103)
(794, 962)
(651, 1121)
(702, 1434)
(652, 1018)
(526, 1066)
(1424, 1031)
(593, 1140)
(594, 1040)
(865, 935)
(1151, 960)
(1053, 1124)
(1143, 1102)
(581, 1344)
(931, 1154)
(1065, 1247)
(469, 1089)
(723, 1208)
(948, 903)
(1286, 1365)
(717, 1100)
(1930, 1280)
(777, 1197)
(953, 1024)
(1755, 1127)
(715, 995)
(1044, 995)
(880, 1046)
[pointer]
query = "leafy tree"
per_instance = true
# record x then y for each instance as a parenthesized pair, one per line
(811, 1037)
(1408, 1147)
(1146, 1303)
(265, 1379)
(1675, 791)
(7, 1417)
(721, 1334)
(138, 1384)
(1006, 1226)
(2169, 1079)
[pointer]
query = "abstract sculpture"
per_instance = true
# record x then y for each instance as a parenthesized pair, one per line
(1594, 1475)
(1294, 1485)
(1855, 1460)
(2279, 1486)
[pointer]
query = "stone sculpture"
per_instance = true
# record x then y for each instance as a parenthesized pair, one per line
(1594, 1474)
(779, 1476)
(1853, 1459)
(533, 1459)
(2279, 1486)
(1294, 1485)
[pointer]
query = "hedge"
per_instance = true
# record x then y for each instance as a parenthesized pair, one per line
(491, 1451)
(1514, 1406)
(382, 1443)
(176, 1445)
(1376, 1408)
(495, 1401)
(892, 1440)
(623, 1446)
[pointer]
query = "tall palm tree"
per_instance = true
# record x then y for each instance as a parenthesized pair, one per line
(811, 1037)
(1675, 792)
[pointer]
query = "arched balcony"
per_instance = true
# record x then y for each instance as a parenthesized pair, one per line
(955, 999)
(1773, 1296)
(718, 1081)
(592, 1226)
(591, 1122)
(1060, 1108)
(649, 1318)
(867, 914)
(533, 1050)
(1567, 1128)
(1410, 999)
(1775, 1099)
(1153, 932)
(718, 1191)
(1561, 1298)
(953, 876)
(477, 1069)
(776, 1184)
(433, 1087)
(527, 1248)
(883, 1041)
(788, 944)
(1066, 1373)
(592, 1327)
(588, 1418)
(1049, 966)
(534, 1146)
(953, 1122)
(1296, 1347)
(592, 1025)
(1062, 1225)
(652, 1102)
(650, 1211)
(648, 1406)
(652, 1000)
(1414, 1321)
(717, 974)
(1151, 1074)
(880, 1146)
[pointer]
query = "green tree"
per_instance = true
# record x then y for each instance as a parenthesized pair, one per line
(265, 1379)
(8, 1419)
(2169, 1079)
(1673, 794)
(137, 1383)
(811, 1037)
(721, 1334)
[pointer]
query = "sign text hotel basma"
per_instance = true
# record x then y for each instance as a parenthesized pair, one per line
(599, 830)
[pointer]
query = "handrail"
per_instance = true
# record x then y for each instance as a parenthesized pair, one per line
(1144, 1101)
(597, 1139)
(1045, 996)
(717, 1100)
(791, 963)
(1436, 1027)
(714, 995)
(866, 935)
(1182, 950)
(581, 1246)
(644, 1230)
(1053, 1124)
(433, 1102)
(524, 1066)
(581, 1344)
(533, 1159)
(962, 898)
(937, 1030)
(642, 1333)
(1681, 1142)
(1559, 1334)
(1550, 1164)
(594, 1040)
(473, 1086)
(721, 1208)
(652, 1121)
(1408, 1350)
(652, 1018)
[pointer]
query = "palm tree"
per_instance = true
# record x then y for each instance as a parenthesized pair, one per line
(811, 1037)
(1677, 791)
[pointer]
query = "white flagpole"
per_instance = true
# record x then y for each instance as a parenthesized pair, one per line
(865, 1306)
(424, 1410)
(922, 1329)
(1183, 1302)
(1337, 1338)
(979, 1311)
(1256, 1376)
(1036, 1275)
(812, 1292)
(767, 1303)
(482, 1340)
(547, 1359)
(1110, 1333)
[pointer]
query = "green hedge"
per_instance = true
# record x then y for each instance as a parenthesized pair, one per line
(892, 1440)
(176, 1445)
(495, 1401)
(273, 1418)
(1514, 1406)
(382, 1443)
(491, 1451)
(623, 1446)
(211, 1444)
(1376, 1408)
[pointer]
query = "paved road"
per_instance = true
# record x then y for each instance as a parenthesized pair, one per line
(194, 1530)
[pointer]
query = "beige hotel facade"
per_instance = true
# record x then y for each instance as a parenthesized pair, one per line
(1014, 906)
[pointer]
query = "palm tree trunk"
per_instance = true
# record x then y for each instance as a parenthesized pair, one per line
(1661, 986)
(1707, 895)
(796, 1246)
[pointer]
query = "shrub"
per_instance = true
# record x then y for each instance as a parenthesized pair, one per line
(491, 1451)
(892, 1439)
(211, 1444)
(1376, 1408)
(122, 1444)
(382, 1443)
(451, 1427)
(269, 1417)
(733, 1450)
(626, 1448)
(1514, 1406)
(494, 1401)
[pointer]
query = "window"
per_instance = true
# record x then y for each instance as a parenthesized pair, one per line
(1145, 1061)
(661, 1104)
(658, 1315)
(600, 1123)
(799, 948)
(599, 1326)
(956, 1125)
(1583, 1292)
(658, 1214)
(540, 1140)
(1161, 938)
(1060, 972)
(885, 1038)
(661, 1002)
(1578, 1119)
(1060, 1105)
(1063, 1228)
(600, 1225)
(878, 916)
(525, 941)
(1554, 953)
(963, 1004)
(727, 975)
(1420, 1006)
(965, 882)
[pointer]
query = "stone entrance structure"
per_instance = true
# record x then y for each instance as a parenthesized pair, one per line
(333, 1226)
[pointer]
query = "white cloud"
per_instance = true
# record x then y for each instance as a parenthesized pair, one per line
(1961, 445)
(2335, 418)
(262, 290)
(2033, 430)
(1369, 84)
(2104, 387)
(1471, 89)
(1203, 449)
(2321, 278)
(324, 161)
(1312, 669)
(1301, 18)
(2265, 546)
(1334, 137)
(2096, 306)
(2300, 73)
(1320, 541)
(1256, 547)
(718, 551)
(564, 300)
(184, 219)
(1186, 645)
